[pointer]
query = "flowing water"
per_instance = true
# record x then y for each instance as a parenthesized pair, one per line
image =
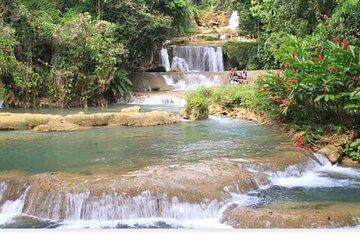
(194, 59)
(185, 175)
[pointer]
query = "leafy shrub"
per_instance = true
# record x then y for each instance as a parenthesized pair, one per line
(242, 54)
(197, 103)
(353, 149)
(319, 82)
(232, 96)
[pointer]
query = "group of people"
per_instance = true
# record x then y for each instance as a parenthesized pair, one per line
(239, 78)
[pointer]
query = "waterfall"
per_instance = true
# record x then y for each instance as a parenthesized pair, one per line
(117, 206)
(11, 208)
(197, 59)
(180, 64)
(1, 104)
(234, 21)
(165, 59)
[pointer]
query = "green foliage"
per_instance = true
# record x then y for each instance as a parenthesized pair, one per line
(353, 149)
(318, 82)
(197, 103)
(242, 54)
(344, 23)
(88, 49)
(231, 96)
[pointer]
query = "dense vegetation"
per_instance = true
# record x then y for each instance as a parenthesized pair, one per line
(65, 53)
(315, 47)
(270, 21)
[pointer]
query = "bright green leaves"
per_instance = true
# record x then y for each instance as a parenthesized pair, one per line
(318, 79)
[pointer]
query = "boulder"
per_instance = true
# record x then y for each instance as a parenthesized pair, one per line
(347, 162)
(333, 153)
(134, 109)
(294, 215)
(57, 126)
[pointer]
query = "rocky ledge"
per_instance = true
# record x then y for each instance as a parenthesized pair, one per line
(294, 215)
(49, 122)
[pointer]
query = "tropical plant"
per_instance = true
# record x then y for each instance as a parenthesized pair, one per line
(318, 82)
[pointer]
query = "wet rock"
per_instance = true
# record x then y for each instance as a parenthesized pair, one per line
(193, 114)
(48, 122)
(347, 162)
(57, 126)
(14, 121)
(294, 215)
(333, 153)
(131, 109)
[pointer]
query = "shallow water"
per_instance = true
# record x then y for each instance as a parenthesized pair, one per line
(132, 148)
(109, 150)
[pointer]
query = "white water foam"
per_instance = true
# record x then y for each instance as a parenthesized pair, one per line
(13, 208)
(192, 81)
(83, 206)
(1, 104)
(315, 174)
(205, 223)
(158, 100)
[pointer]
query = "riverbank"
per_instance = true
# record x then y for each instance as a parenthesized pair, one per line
(238, 102)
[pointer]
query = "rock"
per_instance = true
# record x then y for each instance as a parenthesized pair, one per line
(294, 215)
(15, 121)
(333, 153)
(193, 114)
(57, 126)
(48, 122)
(347, 162)
(134, 109)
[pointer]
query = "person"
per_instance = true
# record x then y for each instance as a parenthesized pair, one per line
(244, 73)
(234, 76)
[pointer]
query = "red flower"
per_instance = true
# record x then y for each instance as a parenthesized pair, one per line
(287, 89)
(291, 81)
(338, 40)
(313, 60)
(319, 57)
(259, 88)
(318, 48)
(333, 69)
(310, 148)
(265, 88)
(276, 82)
(324, 90)
(293, 54)
(356, 78)
(300, 141)
(352, 88)
(345, 44)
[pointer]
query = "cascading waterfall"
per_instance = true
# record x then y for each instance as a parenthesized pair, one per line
(12, 208)
(197, 59)
(115, 206)
(234, 21)
(1, 104)
(165, 59)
